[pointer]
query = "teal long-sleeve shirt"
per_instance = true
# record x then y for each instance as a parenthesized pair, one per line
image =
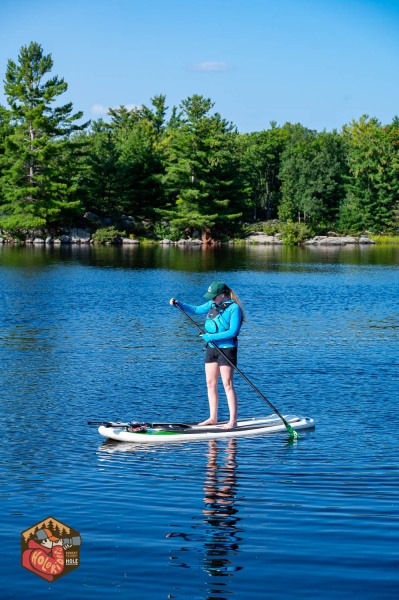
(232, 316)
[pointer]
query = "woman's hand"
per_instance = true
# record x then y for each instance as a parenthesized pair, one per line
(207, 337)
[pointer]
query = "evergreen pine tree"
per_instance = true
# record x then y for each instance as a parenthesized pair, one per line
(371, 202)
(200, 169)
(36, 182)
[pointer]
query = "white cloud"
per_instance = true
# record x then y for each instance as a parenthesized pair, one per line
(100, 109)
(132, 106)
(210, 66)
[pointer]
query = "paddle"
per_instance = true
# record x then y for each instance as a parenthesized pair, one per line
(134, 424)
(112, 423)
(290, 429)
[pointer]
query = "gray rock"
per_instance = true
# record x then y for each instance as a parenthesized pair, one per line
(365, 240)
(38, 241)
(65, 239)
(189, 242)
(262, 238)
(129, 242)
(127, 221)
(93, 218)
(325, 240)
(79, 236)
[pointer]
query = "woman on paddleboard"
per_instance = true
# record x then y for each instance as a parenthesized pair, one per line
(222, 326)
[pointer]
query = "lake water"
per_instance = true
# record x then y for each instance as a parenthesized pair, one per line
(88, 334)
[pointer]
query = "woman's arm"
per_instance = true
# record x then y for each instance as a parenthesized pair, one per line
(191, 308)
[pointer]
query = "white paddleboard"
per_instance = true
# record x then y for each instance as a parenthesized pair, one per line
(178, 432)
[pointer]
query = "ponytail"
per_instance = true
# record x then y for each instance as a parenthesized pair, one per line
(236, 299)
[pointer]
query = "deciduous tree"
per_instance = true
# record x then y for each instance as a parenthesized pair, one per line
(261, 161)
(311, 172)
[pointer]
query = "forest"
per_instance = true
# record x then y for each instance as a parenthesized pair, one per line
(177, 171)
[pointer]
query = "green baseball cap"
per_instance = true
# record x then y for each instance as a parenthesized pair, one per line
(216, 288)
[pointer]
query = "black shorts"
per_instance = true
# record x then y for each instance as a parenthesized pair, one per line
(214, 356)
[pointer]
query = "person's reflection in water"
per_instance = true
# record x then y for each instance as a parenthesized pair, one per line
(217, 534)
(221, 517)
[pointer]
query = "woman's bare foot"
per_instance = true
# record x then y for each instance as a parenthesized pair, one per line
(209, 422)
(229, 425)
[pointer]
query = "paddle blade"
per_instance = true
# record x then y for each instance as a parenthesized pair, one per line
(291, 431)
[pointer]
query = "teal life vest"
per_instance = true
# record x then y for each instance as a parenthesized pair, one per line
(215, 322)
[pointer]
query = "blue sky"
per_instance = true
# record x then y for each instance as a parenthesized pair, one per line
(321, 63)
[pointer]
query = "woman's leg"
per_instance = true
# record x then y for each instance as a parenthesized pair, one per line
(212, 371)
(227, 373)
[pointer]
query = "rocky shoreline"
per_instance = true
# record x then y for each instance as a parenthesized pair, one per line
(87, 233)
(318, 240)
(83, 236)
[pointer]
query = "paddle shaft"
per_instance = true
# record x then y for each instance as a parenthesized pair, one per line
(288, 426)
(133, 424)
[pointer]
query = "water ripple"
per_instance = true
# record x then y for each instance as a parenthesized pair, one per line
(83, 338)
